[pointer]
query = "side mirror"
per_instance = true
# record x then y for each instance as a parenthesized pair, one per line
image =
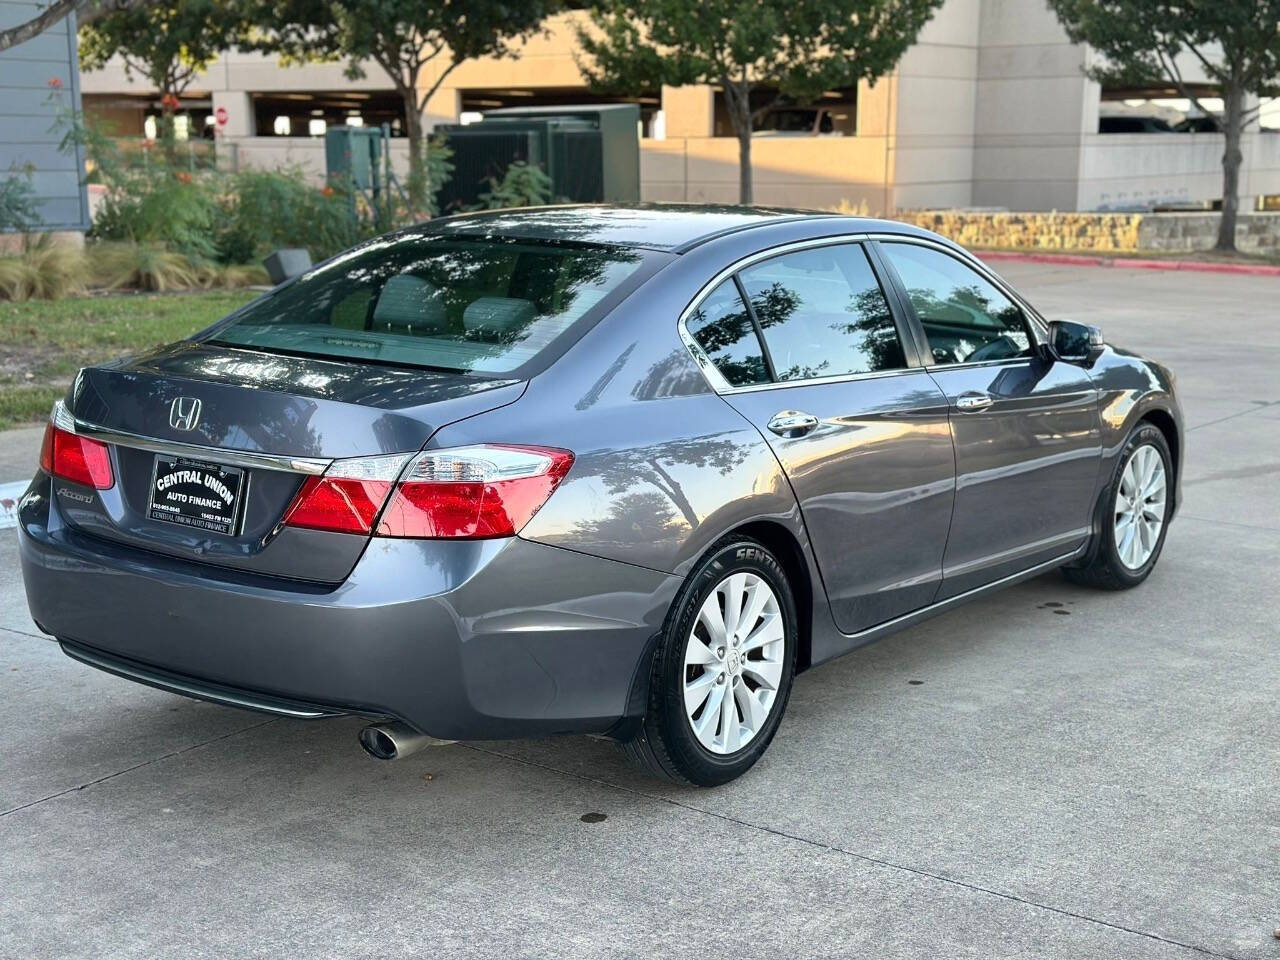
(1074, 342)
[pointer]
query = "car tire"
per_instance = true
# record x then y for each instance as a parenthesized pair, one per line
(743, 673)
(1127, 543)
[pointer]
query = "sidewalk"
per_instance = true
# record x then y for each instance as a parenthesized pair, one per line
(19, 451)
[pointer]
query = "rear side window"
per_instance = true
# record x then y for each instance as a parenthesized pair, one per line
(965, 317)
(823, 314)
(464, 305)
(724, 330)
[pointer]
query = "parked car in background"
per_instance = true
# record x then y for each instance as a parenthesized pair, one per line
(617, 471)
(1133, 124)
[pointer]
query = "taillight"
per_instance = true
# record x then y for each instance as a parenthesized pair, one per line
(473, 493)
(347, 498)
(78, 459)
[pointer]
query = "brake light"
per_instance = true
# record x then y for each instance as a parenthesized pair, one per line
(78, 459)
(347, 498)
(473, 493)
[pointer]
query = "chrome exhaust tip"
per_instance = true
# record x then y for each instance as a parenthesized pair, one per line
(395, 740)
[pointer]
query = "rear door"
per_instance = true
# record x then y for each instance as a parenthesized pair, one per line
(1027, 442)
(809, 352)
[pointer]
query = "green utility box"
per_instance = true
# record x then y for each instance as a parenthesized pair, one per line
(591, 153)
(353, 155)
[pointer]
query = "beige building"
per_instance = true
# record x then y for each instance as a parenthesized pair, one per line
(989, 109)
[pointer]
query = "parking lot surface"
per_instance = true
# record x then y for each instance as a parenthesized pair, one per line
(1075, 773)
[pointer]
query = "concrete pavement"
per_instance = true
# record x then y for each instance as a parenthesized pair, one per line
(1077, 774)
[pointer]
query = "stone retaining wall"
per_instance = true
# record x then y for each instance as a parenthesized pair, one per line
(1098, 232)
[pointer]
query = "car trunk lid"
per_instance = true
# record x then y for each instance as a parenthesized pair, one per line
(207, 421)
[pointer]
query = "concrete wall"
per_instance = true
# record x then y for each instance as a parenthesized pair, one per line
(1033, 106)
(38, 78)
(1119, 171)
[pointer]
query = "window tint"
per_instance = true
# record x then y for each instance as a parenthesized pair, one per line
(823, 313)
(724, 330)
(964, 316)
(466, 305)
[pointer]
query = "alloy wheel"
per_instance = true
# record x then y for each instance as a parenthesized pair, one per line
(733, 663)
(1140, 506)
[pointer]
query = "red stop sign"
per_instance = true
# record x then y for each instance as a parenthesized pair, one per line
(221, 116)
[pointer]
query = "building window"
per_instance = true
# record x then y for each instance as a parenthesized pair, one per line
(834, 114)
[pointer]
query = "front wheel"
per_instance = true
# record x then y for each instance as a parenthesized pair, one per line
(1136, 517)
(723, 669)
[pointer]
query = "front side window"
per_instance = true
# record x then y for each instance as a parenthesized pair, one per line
(485, 306)
(724, 330)
(823, 313)
(965, 317)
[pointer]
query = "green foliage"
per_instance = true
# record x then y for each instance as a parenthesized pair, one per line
(173, 210)
(18, 202)
(403, 39)
(522, 185)
(43, 270)
(262, 211)
(431, 173)
(796, 47)
(168, 43)
(1234, 43)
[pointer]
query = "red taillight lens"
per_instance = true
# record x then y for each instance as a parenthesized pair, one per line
(78, 459)
(348, 497)
(469, 493)
(473, 493)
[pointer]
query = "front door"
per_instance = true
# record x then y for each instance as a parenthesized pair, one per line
(1025, 426)
(859, 427)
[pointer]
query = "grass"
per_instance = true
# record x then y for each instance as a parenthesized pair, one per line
(44, 343)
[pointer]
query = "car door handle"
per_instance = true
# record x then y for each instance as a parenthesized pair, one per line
(973, 401)
(792, 423)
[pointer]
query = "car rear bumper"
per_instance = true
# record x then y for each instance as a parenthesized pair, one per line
(460, 639)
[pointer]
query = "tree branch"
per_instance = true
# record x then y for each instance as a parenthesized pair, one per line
(1170, 67)
(56, 11)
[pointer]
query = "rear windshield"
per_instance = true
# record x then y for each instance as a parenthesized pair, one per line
(481, 306)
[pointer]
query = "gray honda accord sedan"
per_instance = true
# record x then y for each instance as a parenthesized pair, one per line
(595, 470)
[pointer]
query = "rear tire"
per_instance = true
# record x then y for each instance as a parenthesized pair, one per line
(722, 673)
(1135, 515)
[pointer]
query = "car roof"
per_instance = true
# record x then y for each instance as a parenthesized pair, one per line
(673, 227)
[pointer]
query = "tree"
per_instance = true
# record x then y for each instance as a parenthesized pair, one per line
(167, 43)
(796, 48)
(87, 11)
(1236, 43)
(404, 39)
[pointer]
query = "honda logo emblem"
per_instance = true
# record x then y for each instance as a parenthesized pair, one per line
(184, 413)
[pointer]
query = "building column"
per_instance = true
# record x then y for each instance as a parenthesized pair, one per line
(444, 106)
(239, 109)
(689, 111)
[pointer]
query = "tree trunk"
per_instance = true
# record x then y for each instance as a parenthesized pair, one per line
(738, 100)
(168, 133)
(417, 160)
(1233, 130)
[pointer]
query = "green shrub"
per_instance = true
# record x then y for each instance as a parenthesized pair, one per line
(522, 186)
(43, 270)
(264, 210)
(175, 210)
(18, 203)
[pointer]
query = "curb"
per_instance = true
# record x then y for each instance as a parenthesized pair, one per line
(1081, 260)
